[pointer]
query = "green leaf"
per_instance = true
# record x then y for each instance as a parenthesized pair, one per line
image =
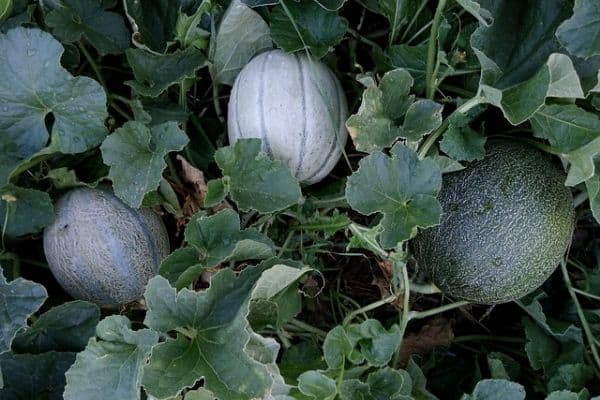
(35, 86)
(300, 357)
(338, 345)
(502, 366)
(216, 192)
(317, 386)
(377, 344)
(217, 332)
(213, 240)
(419, 382)
(377, 124)
(199, 394)
(265, 351)
(242, 34)
(572, 377)
(187, 29)
(6, 9)
(19, 299)
(136, 156)
(313, 28)
(401, 187)
(518, 68)
(182, 267)
(580, 34)
(463, 143)
(255, 181)
(388, 383)
(354, 389)
(564, 395)
(34, 376)
(105, 30)
(154, 73)
(411, 58)
(63, 178)
(574, 133)
(422, 118)
(328, 225)
(398, 13)
(24, 211)
(370, 128)
(66, 327)
(110, 365)
(557, 78)
(154, 21)
(592, 186)
(278, 287)
(498, 389)
(472, 7)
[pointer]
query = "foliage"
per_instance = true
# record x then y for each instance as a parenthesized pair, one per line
(274, 289)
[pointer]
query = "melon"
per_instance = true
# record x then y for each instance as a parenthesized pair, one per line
(296, 106)
(101, 250)
(507, 222)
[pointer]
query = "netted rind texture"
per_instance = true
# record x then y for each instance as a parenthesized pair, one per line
(507, 221)
(101, 250)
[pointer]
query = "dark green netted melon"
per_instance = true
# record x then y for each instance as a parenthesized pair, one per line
(101, 250)
(507, 221)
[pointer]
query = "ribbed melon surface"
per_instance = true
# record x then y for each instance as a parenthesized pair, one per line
(296, 106)
(101, 250)
(507, 222)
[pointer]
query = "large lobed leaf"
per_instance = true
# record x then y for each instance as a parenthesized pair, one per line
(308, 27)
(241, 35)
(110, 366)
(388, 112)
(212, 339)
(154, 73)
(73, 19)
(401, 187)
(34, 85)
(24, 211)
(519, 64)
(136, 155)
(19, 299)
(255, 181)
(212, 240)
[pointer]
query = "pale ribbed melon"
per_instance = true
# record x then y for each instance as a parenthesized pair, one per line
(296, 106)
(101, 250)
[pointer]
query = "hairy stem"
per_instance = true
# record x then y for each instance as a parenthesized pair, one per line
(584, 324)
(432, 59)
